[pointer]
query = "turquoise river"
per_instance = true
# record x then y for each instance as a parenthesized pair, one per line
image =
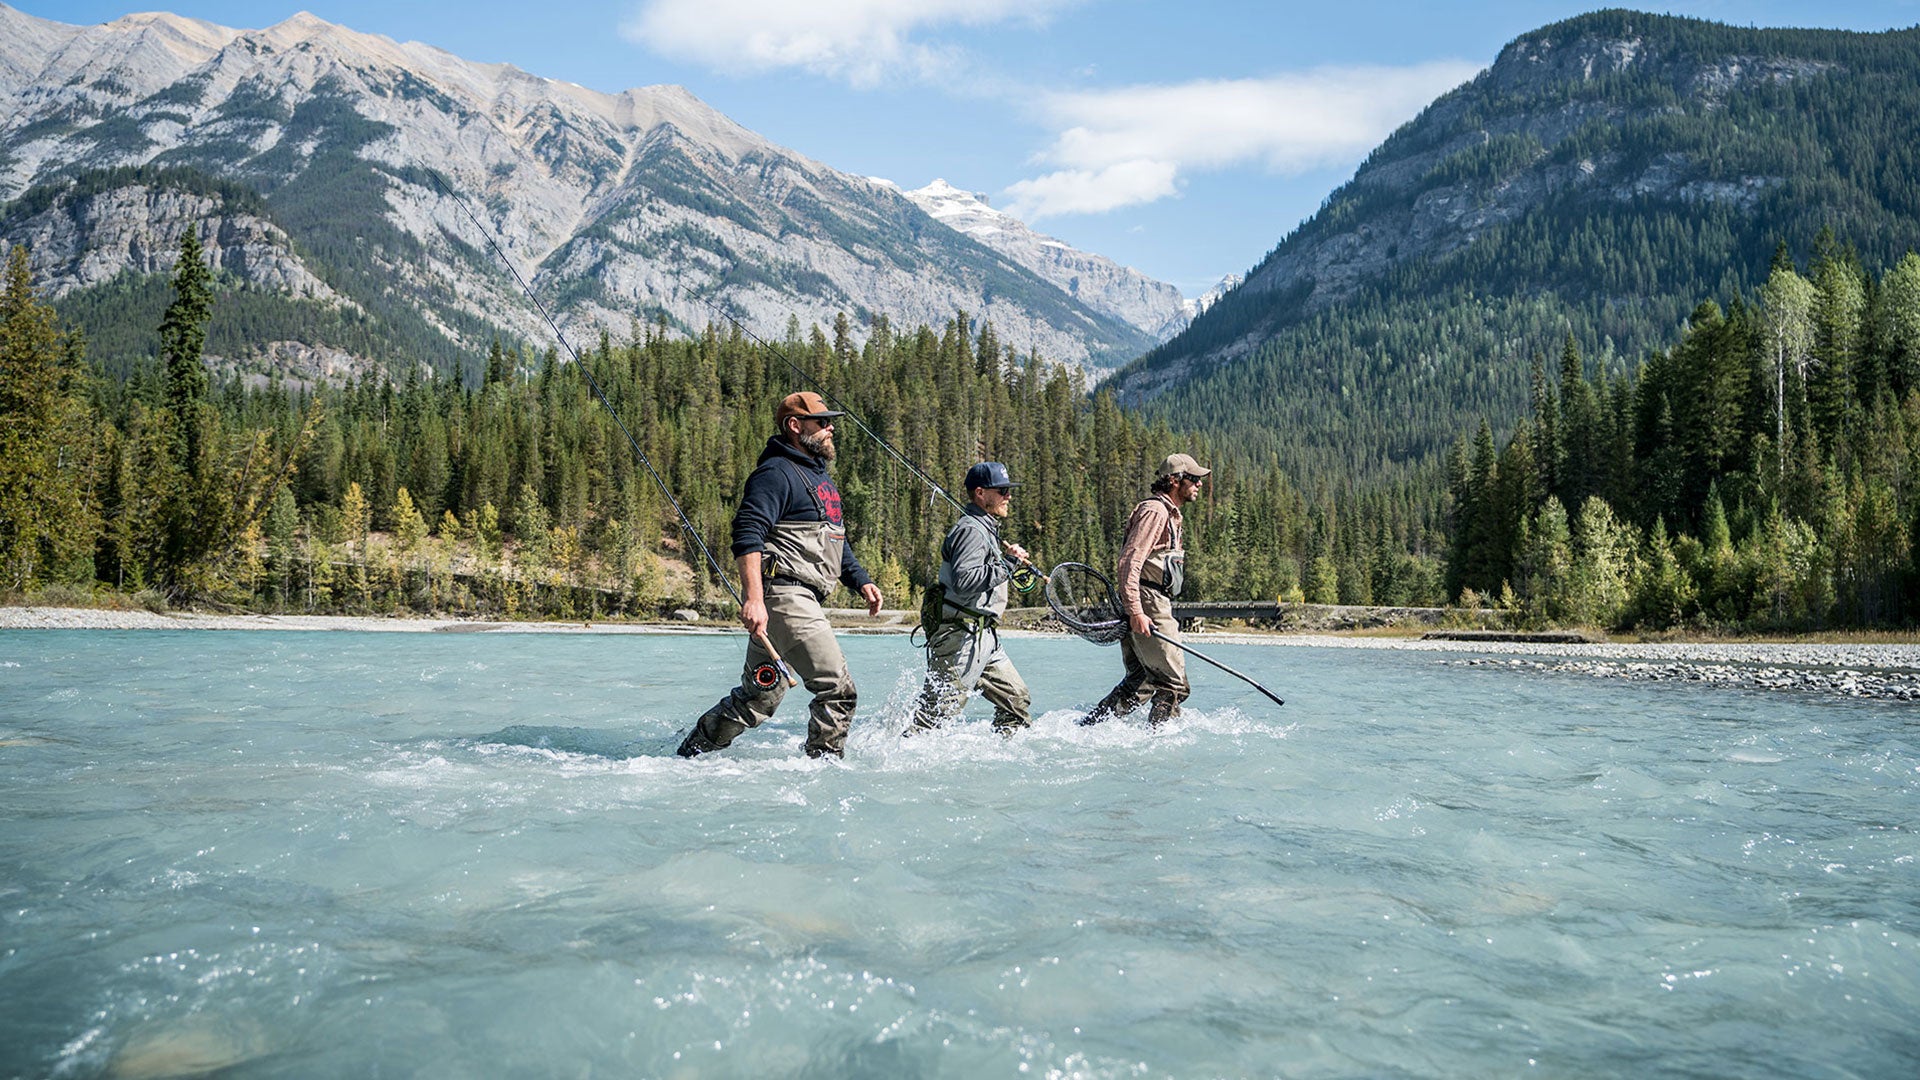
(348, 854)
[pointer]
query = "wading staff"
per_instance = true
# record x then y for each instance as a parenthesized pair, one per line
(764, 677)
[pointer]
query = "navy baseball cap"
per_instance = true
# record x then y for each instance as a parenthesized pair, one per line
(989, 474)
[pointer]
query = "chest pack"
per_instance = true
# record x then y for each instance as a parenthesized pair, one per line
(1175, 569)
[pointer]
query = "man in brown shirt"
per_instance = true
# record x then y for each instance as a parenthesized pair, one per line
(1150, 573)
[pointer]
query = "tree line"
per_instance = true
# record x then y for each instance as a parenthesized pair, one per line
(1761, 473)
(518, 492)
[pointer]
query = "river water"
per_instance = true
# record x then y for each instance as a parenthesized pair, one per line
(453, 855)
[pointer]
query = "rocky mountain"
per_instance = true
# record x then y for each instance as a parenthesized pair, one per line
(1155, 308)
(312, 158)
(1193, 308)
(1603, 177)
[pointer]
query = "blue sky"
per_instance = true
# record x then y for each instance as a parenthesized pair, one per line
(1182, 139)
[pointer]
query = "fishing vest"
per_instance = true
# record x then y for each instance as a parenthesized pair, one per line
(976, 611)
(809, 552)
(1165, 570)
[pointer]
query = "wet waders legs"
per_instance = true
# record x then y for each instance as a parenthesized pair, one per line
(958, 660)
(1001, 684)
(1155, 669)
(800, 631)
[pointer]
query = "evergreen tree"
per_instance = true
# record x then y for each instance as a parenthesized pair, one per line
(1663, 593)
(1602, 567)
(46, 520)
(1542, 566)
(183, 339)
(1839, 317)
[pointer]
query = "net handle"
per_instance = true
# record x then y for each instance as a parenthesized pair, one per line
(1152, 631)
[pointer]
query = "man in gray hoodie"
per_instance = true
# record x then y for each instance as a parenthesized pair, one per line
(963, 650)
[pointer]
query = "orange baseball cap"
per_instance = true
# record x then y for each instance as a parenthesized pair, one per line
(806, 405)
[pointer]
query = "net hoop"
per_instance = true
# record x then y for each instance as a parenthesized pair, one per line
(1082, 599)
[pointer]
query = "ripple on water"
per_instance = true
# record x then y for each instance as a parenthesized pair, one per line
(350, 854)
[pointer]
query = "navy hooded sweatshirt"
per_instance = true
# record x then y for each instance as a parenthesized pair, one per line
(776, 492)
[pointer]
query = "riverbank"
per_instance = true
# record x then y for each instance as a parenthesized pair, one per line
(1886, 671)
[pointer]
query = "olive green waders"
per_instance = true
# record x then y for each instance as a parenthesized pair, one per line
(960, 657)
(799, 629)
(1154, 669)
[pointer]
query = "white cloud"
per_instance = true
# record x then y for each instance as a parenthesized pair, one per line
(1112, 142)
(1092, 191)
(861, 41)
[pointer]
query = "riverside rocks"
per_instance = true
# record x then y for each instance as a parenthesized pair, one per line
(1843, 682)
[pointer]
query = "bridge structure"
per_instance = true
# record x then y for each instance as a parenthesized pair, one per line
(1308, 616)
(1272, 613)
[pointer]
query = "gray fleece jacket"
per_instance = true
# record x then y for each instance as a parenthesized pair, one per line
(971, 565)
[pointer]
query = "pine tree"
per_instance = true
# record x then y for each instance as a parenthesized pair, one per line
(1839, 317)
(1577, 467)
(1541, 565)
(1663, 594)
(47, 522)
(191, 515)
(1602, 567)
(183, 339)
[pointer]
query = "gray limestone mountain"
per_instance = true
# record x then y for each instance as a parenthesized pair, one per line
(308, 156)
(1154, 307)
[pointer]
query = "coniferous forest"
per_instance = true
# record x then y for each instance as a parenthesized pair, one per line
(519, 495)
(1758, 474)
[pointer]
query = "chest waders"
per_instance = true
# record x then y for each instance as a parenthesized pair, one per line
(807, 552)
(801, 567)
(1154, 669)
(963, 651)
(1165, 571)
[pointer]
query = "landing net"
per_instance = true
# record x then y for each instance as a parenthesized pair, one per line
(1082, 598)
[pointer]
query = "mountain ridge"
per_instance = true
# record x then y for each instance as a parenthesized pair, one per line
(637, 206)
(1598, 180)
(1103, 284)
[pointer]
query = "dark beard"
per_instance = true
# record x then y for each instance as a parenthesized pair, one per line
(819, 444)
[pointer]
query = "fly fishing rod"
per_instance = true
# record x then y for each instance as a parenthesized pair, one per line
(766, 676)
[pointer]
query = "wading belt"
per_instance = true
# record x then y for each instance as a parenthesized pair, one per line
(782, 579)
(974, 621)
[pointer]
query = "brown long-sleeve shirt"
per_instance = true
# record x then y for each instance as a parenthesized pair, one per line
(1153, 528)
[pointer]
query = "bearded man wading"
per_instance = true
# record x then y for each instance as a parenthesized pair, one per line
(1150, 573)
(963, 649)
(790, 544)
